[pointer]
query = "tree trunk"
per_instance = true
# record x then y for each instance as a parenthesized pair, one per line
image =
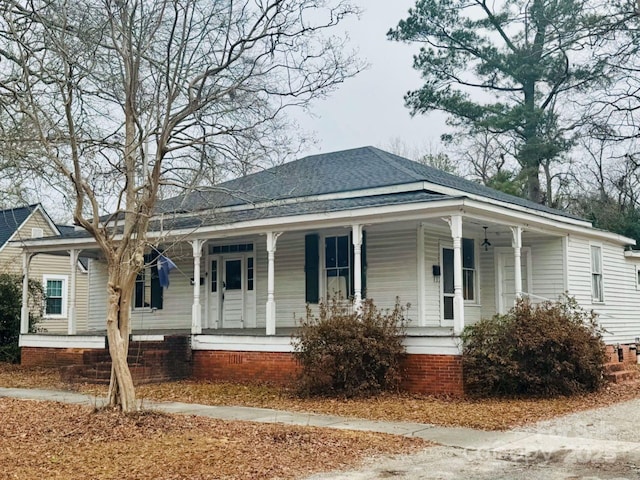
(121, 389)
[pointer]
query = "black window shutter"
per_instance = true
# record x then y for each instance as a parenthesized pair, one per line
(156, 288)
(312, 267)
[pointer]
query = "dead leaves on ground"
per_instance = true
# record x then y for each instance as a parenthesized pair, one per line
(58, 441)
(493, 414)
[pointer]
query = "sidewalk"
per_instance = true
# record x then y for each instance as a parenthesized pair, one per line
(508, 444)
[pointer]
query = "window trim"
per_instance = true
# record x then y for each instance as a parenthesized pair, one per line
(476, 271)
(593, 273)
(64, 297)
(323, 264)
(150, 262)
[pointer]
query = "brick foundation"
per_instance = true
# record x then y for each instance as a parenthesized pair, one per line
(51, 357)
(245, 367)
(429, 374)
(432, 374)
(622, 354)
(150, 362)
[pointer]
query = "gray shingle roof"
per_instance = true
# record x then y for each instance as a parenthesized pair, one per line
(348, 170)
(11, 219)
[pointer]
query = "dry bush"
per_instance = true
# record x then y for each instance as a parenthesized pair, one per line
(549, 349)
(350, 353)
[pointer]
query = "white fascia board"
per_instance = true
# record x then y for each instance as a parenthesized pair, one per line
(485, 210)
(47, 218)
(22, 243)
(409, 211)
(147, 338)
(242, 343)
(632, 254)
(511, 206)
(62, 341)
(11, 238)
(437, 345)
(540, 223)
(368, 215)
(57, 244)
(368, 192)
(424, 345)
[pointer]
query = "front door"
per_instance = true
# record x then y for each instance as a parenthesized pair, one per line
(232, 293)
(506, 280)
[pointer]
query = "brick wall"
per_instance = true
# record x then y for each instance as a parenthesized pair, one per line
(622, 353)
(149, 362)
(245, 367)
(51, 357)
(432, 374)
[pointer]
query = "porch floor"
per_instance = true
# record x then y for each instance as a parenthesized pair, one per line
(251, 332)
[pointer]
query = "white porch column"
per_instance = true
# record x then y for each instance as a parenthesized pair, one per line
(196, 309)
(272, 239)
(516, 243)
(24, 312)
(73, 261)
(458, 298)
(357, 266)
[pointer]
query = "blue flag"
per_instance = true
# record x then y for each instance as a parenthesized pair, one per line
(165, 265)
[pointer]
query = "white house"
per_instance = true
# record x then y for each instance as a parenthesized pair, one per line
(252, 252)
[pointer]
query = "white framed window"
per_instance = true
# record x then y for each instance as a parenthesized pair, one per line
(468, 269)
(469, 275)
(337, 262)
(148, 294)
(37, 232)
(55, 303)
(597, 286)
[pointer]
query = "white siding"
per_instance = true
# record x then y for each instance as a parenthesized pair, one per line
(547, 263)
(620, 311)
(176, 305)
(289, 280)
(176, 300)
(391, 266)
(97, 296)
(432, 295)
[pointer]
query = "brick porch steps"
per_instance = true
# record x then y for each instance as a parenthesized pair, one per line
(149, 362)
(620, 372)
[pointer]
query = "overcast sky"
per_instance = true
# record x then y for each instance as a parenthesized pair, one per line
(369, 109)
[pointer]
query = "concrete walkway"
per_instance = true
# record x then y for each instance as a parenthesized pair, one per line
(506, 444)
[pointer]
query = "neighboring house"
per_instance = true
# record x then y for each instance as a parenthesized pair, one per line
(53, 271)
(254, 251)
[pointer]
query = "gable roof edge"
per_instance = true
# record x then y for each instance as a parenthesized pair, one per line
(38, 207)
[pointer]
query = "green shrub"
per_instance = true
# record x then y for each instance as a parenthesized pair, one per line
(349, 353)
(549, 349)
(10, 307)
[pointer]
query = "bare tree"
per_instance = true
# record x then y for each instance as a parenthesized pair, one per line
(120, 96)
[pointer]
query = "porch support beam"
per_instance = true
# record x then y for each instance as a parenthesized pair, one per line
(458, 299)
(196, 309)
(357, 266)
(24, 312)
(272, 239)
(73, 264)
(516, 243)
